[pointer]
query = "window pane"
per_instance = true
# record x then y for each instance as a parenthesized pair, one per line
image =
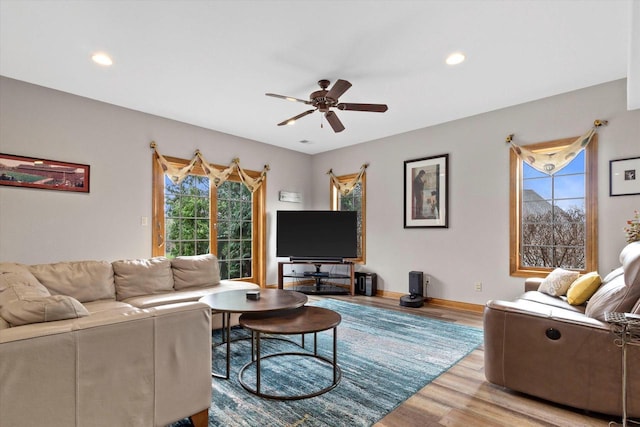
(577, 165)
(538, 188)
(235, 216)
(529, 172)
(183, 203)
(537, 256)
(224, 270)
(353, 202)
(246, 230)
(569, 186)
(223, 249)
(553, 217)
(569, 257)
(202, 229)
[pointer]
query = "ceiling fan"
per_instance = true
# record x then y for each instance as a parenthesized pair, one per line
(323, 100)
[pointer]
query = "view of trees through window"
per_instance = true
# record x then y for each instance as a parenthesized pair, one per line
(553, 222)
(188, 223)
(353, 202)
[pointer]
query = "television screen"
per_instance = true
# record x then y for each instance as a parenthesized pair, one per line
(317, 235)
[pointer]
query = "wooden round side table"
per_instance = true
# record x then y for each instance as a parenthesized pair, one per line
(303, 320)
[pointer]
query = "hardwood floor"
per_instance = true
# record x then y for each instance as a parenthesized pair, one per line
(463, 397)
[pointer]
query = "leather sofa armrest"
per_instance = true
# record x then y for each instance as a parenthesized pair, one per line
(532, 283)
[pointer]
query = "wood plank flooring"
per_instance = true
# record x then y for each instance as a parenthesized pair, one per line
(463, 397)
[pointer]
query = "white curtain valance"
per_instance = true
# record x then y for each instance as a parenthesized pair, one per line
(347, 187)
(550, 162)
(216, 176)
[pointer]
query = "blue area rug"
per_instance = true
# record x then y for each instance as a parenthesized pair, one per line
(385, 356)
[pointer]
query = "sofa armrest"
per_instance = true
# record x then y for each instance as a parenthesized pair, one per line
(183, 361)
(532, 283)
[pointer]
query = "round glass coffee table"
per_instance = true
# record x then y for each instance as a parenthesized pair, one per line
(237, 301)
(302, 320)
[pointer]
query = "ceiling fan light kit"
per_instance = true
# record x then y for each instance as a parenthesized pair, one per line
(323, 100)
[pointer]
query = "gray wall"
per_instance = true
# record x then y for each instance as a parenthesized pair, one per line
(38, 226)
(475, 247)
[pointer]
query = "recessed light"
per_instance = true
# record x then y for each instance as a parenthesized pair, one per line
(304, 141)
(455, 58)
(102, 59)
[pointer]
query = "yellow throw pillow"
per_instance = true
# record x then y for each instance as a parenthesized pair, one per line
(583, 288)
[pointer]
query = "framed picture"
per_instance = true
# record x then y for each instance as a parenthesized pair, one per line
(624, 178)
(30, 172)
(426, 192)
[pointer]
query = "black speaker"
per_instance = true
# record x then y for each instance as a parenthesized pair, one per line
(366, 284)
(416, 283)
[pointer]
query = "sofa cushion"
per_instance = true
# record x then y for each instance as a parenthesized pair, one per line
(82, 280)
(558, 281)
(189, 294)
(22, 304)
(13, 274)
(195, 271)
(137, 277)
(583, 288)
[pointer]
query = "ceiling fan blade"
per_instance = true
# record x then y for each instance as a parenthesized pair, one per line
(376, 108)
(288, 98)
(292, 120)
(338, 88)
(334, 121)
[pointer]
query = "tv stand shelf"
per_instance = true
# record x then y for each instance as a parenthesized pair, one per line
(318, 278)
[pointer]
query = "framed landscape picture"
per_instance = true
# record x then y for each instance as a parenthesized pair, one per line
(30, 172)
(623, 177)
(426, 192)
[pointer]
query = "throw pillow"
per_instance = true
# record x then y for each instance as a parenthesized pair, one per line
(195, 271)
(31, 308)
(558, 281)
(137, 277)
(583, 288)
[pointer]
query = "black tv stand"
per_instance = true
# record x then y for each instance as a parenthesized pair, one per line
(322, 285)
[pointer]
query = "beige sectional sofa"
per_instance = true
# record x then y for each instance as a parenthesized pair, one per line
(94, 343)
(543, 346)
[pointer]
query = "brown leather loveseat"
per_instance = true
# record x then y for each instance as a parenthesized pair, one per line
(542, 346)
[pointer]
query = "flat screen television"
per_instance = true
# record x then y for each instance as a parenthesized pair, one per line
(317, 235)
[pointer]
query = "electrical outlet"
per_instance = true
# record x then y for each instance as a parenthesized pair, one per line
(144, 221)
(427, 279)
(478, 286)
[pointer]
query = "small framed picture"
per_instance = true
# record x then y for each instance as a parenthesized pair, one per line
(30, 172)
(426, 192)
(624, 179)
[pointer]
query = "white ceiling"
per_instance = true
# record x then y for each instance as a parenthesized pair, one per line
(209, 63)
